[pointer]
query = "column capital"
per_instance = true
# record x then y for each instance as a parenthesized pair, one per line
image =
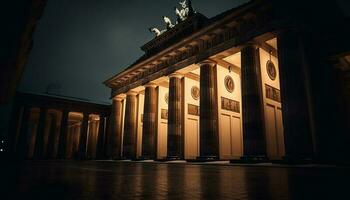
(150, 84)
(207, 62)
(250, 44)
(119, 97)
(176, 75)
(132, 93)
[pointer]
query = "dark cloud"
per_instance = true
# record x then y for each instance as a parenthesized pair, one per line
(80, 43)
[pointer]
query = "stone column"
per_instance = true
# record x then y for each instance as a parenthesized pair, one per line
(149, 122)
(56, 138)
(52, 136)
(295, 109)
(83, 136)
(101, 138)
(175, 121)
(252, 103)
(77, 140)
(90, 139)
(74, 140)
(114, 139)
(209, 138)
(69, 146)
(93, 139)
(48, 125)
(130, 129)
(14, 131)
(22, 146)
(63, 135)
(39, 140)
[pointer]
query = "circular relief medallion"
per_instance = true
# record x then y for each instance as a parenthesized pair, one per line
(195, 92)
(271, 70)
(166, 97)
(229, 84)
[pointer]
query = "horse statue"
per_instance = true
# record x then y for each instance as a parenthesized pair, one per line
(182, 14)
(168, 22)
(185, 11)
(156, 31)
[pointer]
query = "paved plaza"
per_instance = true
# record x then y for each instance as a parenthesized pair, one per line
(147, 180)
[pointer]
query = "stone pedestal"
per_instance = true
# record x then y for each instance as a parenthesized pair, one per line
(149, 122)
(209, 138)
(296, 123)
(63, 135)
(130, 129)
(252, 103)
(175, 140)
(83, 136)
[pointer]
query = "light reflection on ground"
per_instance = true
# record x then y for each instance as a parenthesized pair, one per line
(130, 180)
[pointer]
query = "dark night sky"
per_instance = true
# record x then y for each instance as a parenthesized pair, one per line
(79, 44)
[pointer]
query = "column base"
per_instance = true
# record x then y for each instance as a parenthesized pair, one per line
(250, 159)
(206, 159)
(120, 158)
(124, 158)
(170, 158)
(295, 160)
(141, 159)
(145, 158)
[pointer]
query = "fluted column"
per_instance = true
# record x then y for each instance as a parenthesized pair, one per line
(63, 135)
(130, 129)
(83, 136)
(296, 118)
(114, 139)
(39, 141)
(69, 146)
(52, 136)
(47, 134)
(149, 122)
(74, 140)
(90, 139)
(252, 103)
(175, 121)
(94, 139)
(16, 119)
(209, 138)
(77, 130)
(22, 146)
(101, 138)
